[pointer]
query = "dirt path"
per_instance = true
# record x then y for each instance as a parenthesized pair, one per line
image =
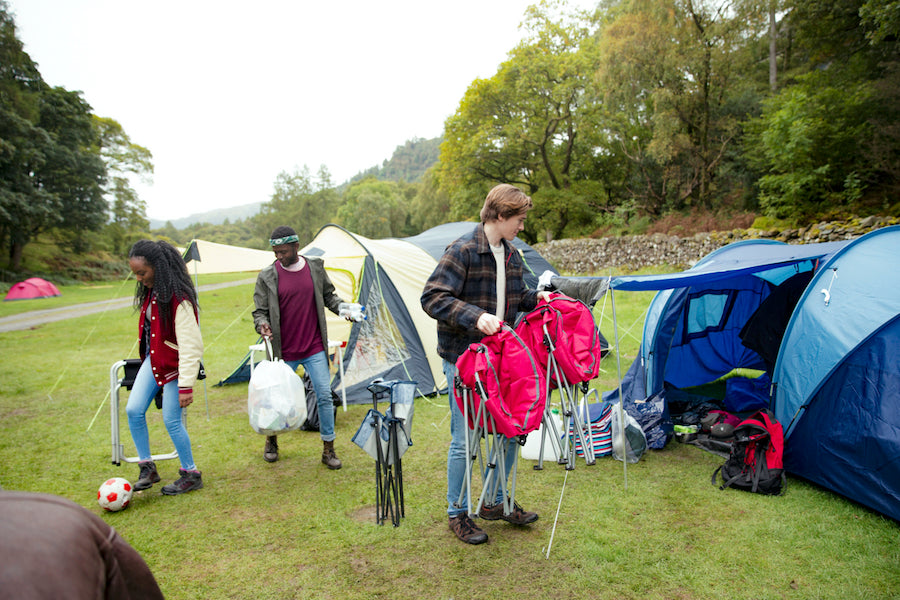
(34, 318)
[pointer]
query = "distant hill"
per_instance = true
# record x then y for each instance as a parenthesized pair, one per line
(213, 217)
(408, 163)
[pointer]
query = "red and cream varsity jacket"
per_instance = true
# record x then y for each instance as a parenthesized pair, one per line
(175, 350)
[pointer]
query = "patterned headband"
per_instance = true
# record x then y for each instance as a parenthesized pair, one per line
(284, 240)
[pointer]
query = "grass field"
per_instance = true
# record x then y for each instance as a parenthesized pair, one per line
(294, 529)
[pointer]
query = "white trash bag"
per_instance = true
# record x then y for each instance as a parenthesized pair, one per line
(276, 401)
(635, 438)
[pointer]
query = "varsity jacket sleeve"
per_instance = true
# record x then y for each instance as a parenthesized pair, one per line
(190, 345)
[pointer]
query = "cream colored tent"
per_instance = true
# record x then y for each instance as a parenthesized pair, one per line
(209, 257)
(397, 340)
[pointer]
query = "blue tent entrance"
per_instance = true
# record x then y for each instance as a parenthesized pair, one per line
(835, 374)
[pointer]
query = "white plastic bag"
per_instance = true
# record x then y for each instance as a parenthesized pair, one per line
(276, 401)
(635, 438)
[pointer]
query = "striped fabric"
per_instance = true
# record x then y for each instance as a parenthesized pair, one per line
(600, 435)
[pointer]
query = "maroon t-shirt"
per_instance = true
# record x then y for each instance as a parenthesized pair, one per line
(300, 336)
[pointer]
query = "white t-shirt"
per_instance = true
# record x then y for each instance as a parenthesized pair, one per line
(497, 251)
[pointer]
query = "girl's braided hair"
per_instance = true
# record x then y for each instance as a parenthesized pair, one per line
(171, 279)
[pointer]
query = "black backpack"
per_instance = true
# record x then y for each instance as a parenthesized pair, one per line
(755, 461)
(312, 405)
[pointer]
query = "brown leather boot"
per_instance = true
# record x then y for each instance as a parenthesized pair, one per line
(270, 454)
(329, 458)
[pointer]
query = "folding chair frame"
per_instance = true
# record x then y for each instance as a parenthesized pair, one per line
(491, 458)
(115, 384)
(389, 498)
(573, 424)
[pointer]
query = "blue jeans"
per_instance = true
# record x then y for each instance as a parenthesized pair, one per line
(142, 393)
(456, 455)
(317, 367)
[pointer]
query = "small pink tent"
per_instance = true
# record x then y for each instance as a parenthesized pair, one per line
(33, 287)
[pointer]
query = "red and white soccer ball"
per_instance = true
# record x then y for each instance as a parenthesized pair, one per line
(114, 494)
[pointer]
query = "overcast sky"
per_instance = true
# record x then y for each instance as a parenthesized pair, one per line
(226, 95)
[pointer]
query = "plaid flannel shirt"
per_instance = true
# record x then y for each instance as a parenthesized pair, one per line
(464, 285)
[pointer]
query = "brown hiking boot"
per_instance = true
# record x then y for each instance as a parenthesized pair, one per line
(270, 454)
(516, 517)
(188, 482)
(148, 475)
(466, 529)
(329, 458)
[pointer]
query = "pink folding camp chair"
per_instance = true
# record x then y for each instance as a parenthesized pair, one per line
(502, 395)
(565, 341)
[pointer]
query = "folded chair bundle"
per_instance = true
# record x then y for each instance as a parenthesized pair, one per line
(504, 374)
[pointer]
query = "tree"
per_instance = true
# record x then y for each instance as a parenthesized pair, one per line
(430, 205)
(375, 209)
(829, 140)
(533, 124)
(73, 171)
(299, 202)
(674, 77)
(123, 159)
(23, 205)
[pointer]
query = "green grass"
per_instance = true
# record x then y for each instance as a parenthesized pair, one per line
(294, 529)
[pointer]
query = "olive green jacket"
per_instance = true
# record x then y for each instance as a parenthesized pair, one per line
(268, 310)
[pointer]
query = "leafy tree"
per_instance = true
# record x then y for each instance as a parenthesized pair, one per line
(375, 209)
(24, 206)
(881, 19)
(829, 140)
(123, 158)
(73, 172)
(300, 202)
(50, 173)
(533, 124)
(430, 206)
(808, 138)
(673, 74)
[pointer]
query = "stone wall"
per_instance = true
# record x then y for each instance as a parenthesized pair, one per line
(589, 256)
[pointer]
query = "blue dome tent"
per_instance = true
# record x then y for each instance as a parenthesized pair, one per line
(832, 355)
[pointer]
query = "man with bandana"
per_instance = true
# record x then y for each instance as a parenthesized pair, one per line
(290, 298)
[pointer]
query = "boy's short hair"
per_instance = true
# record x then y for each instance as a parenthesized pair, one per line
(505, 200)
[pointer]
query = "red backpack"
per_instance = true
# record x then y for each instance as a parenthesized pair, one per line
(501, 369)
(755, 461)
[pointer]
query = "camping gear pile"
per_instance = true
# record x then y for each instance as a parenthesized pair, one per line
(810, 332)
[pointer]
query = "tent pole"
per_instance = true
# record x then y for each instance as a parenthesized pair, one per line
(612, 298)
(197, 287)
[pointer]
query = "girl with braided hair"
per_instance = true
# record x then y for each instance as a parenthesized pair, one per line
(170, 349)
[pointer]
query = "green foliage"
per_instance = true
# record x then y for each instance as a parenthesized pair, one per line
(808, 143)
(375, 209)
(430, 204)
(300, 202)
(408, 163)
(57, 161)
(610, 120)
